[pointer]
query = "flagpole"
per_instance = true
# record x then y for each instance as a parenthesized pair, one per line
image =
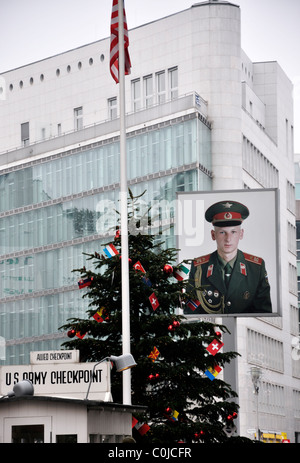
(124, 220)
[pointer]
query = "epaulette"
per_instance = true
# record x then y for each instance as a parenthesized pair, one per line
(254, 259)
(201, 260)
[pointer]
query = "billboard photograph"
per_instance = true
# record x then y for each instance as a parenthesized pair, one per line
(229, 242)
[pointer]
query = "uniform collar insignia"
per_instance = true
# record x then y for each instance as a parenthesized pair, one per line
(210, 270)
(243, 268)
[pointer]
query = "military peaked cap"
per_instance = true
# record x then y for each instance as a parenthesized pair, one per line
(226, 213)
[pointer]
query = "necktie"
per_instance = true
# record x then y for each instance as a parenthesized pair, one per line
(227, 274)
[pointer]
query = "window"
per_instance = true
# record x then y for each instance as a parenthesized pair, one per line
(28, 434)
(257, 165)
(78, 118)
(161, 87)
(293, 279)
(136, 94)
(112, 108)
(25, 133)
(2, 348)
(148, 91)
(290, 193)
(291, 230)
(105, 438)
(173, 83)
(66, 438)
(258, 343)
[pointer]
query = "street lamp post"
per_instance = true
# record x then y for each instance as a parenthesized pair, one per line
(255, 376)
(122, 363)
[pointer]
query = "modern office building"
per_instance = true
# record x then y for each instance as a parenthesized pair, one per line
(200, 116)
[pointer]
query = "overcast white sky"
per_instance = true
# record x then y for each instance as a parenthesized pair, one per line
(31, 30)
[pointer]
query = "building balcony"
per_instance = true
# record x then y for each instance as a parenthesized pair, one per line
(109, 129)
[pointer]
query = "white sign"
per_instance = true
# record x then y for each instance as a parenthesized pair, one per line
(248, 296)
(54, 356)
(57, 379)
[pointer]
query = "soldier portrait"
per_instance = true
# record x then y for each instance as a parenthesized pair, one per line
(229, 280)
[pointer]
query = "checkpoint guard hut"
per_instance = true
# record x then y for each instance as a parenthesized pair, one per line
(58, 411)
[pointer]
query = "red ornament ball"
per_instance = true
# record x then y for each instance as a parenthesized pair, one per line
(218, 334)
(168, 269)
(199, 434)
(71, 333)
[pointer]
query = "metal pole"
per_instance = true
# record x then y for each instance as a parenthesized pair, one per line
(123, 201)
(231, 369)
(255, 376)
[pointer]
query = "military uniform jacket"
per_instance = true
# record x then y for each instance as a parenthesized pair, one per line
(248, 290)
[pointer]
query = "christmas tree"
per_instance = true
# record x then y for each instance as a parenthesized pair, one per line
(176, 372)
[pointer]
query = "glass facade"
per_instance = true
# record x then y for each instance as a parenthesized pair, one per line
(54, 209)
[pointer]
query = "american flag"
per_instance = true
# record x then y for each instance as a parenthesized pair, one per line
(114, 43)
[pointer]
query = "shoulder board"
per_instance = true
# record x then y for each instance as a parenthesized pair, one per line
(254, 259)
(202, 260)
